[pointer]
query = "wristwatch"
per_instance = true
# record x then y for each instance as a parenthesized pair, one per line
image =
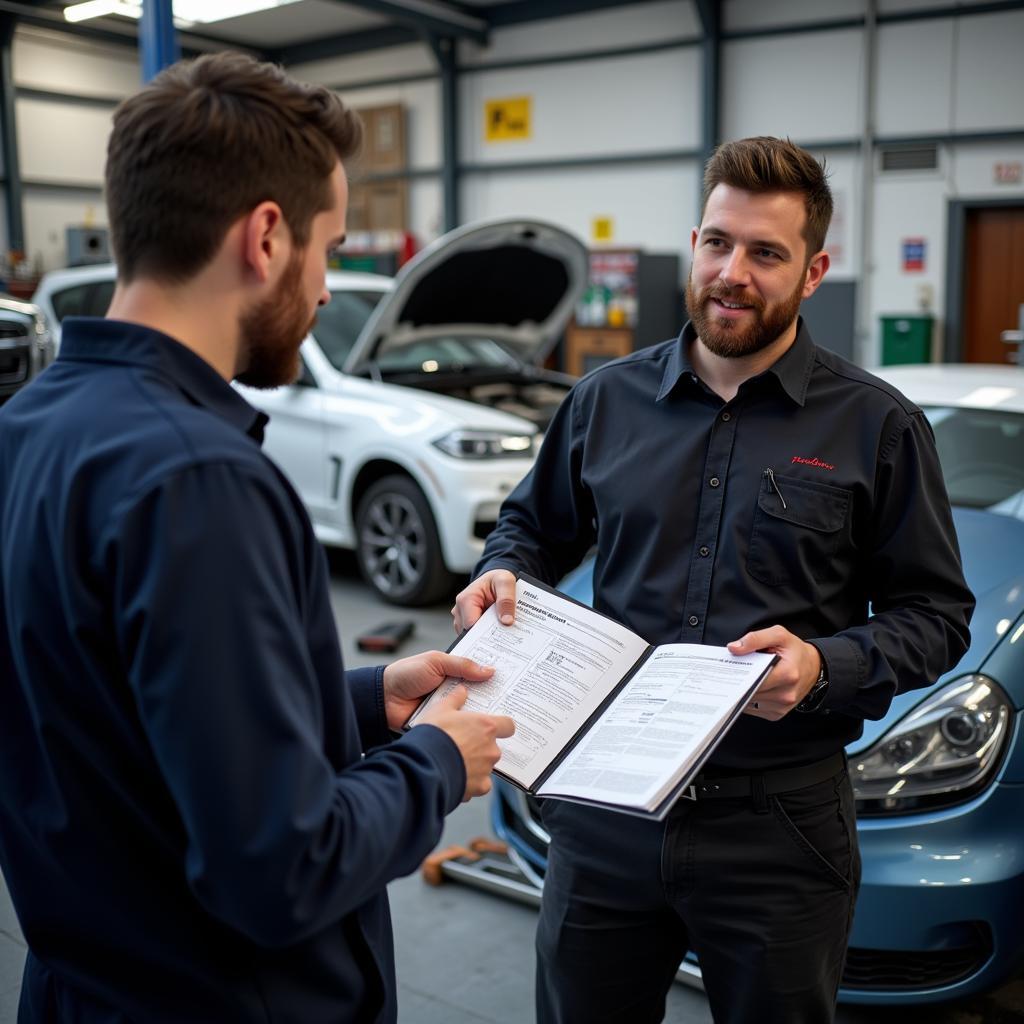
(816, 694)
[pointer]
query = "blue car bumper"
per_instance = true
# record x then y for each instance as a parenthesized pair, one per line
(939, 914)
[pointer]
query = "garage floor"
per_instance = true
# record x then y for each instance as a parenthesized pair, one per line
(464, 956)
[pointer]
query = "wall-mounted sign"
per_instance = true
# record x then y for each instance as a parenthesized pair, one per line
(508, 119)
(602, 229)
(1008, 172)
(913, 253)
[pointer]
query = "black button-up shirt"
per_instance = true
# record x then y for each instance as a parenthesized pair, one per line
(812, 496)
(188, 826)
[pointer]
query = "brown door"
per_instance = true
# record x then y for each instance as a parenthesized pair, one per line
(994, 285)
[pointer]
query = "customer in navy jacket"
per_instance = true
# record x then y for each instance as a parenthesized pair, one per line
(199, 810)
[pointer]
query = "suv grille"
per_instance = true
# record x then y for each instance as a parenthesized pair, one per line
(13, 365)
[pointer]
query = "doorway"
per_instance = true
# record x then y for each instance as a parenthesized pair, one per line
(985, 281)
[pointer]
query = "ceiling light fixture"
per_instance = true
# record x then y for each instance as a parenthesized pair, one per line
(186, 12)
(100, 9)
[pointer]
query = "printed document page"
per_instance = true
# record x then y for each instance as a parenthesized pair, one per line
(553, 668)
(657, 728)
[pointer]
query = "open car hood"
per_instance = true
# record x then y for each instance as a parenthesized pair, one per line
(515, 281)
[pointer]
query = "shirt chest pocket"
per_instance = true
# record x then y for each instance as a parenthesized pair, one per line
(798, 528)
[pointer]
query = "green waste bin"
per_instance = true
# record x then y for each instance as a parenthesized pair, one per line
(906, 339)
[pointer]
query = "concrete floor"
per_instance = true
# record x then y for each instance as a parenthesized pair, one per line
(465, 956)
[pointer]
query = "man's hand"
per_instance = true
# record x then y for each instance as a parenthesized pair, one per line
(409, 679)
(497, 586)
(790, 680)
(474, 734)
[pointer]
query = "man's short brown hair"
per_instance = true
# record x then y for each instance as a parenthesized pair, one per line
(767, 164)
(207, 141)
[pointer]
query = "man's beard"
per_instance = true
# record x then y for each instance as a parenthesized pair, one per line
(726, 338)
(272, 331)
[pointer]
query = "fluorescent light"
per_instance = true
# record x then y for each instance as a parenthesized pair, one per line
(186, 12)
(100, 9)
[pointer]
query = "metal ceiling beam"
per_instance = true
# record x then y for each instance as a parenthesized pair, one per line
(515, 12)
(343, 44)
(430, 17)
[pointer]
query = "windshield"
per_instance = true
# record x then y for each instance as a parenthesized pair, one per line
(982, 456)
(339, 322)
(444, 355)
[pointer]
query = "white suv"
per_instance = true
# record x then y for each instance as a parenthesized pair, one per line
(26, 346)
(420, 404)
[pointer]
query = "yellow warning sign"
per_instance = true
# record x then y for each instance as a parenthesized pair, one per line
(507, 119)
(602, 229)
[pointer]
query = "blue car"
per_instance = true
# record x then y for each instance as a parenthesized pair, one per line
(940, 779)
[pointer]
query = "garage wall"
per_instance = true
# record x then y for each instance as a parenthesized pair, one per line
(949, 77)
(640, 105)
(633, 106)
(616, 135)
(58, 61)
(805, 87)
(66, 92)
(353, 77)
(618, 105)
(661, 222)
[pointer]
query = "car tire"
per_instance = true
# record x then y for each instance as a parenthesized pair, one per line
(397, 545)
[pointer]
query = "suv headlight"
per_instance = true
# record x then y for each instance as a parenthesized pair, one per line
(940, 754)
(41, 332)
(486, 444)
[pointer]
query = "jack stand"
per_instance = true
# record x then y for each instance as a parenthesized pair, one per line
(486, 864)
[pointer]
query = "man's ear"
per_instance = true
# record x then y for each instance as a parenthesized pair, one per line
(816, 271)
(265, 238)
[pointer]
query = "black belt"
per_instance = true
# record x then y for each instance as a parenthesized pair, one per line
(779, 780)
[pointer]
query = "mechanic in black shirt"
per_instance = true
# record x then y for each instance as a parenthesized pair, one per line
(742, 487)
(199, 810)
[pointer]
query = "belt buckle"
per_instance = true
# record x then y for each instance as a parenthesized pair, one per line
(690, 793)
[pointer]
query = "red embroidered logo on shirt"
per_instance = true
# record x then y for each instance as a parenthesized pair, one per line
(817, 463)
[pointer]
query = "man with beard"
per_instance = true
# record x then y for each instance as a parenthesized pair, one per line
(199, 811)
(742, 487)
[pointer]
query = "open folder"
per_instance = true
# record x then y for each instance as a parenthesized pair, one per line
(602, 717)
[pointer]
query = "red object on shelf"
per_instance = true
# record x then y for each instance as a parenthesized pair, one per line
(408, 248)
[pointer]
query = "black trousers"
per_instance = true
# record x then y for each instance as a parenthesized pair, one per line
(764, 896)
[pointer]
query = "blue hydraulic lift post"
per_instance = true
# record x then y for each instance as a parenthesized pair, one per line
(13, 200)
(158, 41)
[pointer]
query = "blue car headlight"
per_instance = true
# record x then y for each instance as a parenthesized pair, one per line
(487, 444)
(942, 753)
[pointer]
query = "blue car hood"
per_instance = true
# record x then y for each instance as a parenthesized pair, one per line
(992, 547)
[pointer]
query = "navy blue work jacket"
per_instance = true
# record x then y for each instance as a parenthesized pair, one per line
(189, 828)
